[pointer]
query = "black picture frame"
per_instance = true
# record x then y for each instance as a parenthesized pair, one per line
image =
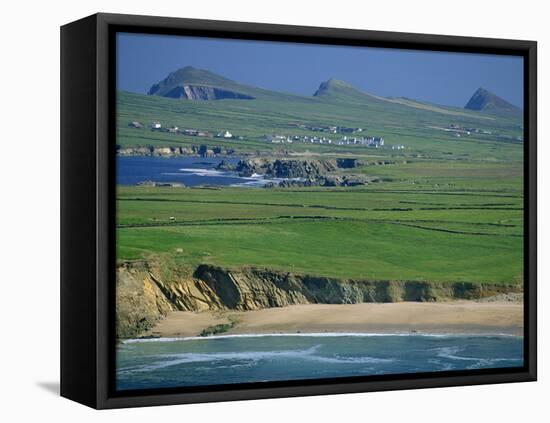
(87, 209)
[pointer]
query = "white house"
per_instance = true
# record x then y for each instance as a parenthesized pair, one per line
(276, 139)
(227, 134)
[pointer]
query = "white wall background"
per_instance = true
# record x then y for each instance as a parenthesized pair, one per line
(29, 209)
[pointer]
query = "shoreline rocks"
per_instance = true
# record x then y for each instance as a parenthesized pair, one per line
(285, 168)
(194, 150)
(225, 165)
(160, 184)
(303, 173)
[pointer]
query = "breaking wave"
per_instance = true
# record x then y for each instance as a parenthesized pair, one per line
(248, 358)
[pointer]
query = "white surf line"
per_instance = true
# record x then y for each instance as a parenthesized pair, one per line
(320, 335)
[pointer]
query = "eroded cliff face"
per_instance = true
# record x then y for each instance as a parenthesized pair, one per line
(139, 300)
(252, 289)
(198, 92)
(143, 296)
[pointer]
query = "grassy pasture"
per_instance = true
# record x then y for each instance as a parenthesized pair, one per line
(346, 233)
(253, 119)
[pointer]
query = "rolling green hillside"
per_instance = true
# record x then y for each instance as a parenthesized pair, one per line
(424, 129)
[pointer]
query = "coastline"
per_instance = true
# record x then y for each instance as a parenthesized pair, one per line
(457, 317)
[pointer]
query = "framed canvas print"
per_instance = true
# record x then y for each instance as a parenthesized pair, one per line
(256, 211)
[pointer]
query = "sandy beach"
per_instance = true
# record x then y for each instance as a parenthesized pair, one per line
(449, 317)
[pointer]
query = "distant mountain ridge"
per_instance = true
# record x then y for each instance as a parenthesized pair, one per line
(486, 101)
(190, 83)
(341, 91)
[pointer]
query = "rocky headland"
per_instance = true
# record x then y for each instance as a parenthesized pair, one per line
(301, 172)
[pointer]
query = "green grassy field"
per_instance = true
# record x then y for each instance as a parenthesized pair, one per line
(345, 233)
(446, 209)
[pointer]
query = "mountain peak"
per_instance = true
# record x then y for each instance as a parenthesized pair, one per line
(484, 100)
(334, 81)
(331, 84)
(336, 89)
(187, 75)
(198, 84)
(192, 74)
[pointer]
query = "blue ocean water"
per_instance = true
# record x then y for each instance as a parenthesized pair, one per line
(191, 171)
(162, 363)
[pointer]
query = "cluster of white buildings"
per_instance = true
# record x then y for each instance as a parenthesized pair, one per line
(331, 129)
(368, 141)
(375, 142)
(289, 139)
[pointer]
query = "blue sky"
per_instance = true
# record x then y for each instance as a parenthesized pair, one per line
(443, 78)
